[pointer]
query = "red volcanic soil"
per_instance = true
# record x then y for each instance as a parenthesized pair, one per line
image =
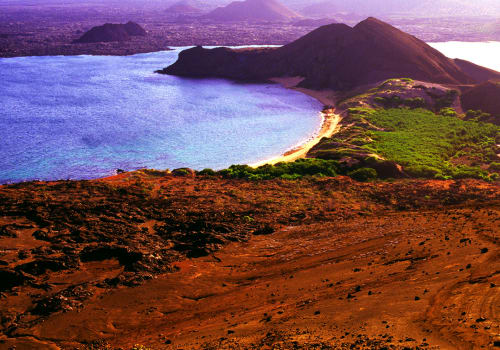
(335, 56)
(253, 10)
(210, 263)
(484, 97)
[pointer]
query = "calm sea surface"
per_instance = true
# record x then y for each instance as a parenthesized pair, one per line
(84, 117)
(486, 54)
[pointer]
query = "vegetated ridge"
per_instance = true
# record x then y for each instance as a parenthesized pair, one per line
(110, 32)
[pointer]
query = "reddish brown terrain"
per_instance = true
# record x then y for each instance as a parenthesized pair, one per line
(484, 97)
(336, 57)
(181, 262)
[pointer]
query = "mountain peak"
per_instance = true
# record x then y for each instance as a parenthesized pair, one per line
(372, 23)
(253, 10)
(336, 57)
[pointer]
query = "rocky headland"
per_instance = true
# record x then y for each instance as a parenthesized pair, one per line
(335, 57)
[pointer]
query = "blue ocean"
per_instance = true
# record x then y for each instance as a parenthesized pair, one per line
(82, 117)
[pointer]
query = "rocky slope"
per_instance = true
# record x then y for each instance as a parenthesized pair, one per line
(484, 97)
(253, 10)
(110, 32)
(204, 262)
(335, 56)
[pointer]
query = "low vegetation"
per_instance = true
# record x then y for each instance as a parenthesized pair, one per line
(431, 145)
(294, 170)
(415, 127)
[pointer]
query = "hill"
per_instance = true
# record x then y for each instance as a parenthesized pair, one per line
(253, 10)
(493, 29)
(486, 98)
(335, 56)
(310, 22)
(111, 32)
(318, 9)
(184, 7)
(416, 8)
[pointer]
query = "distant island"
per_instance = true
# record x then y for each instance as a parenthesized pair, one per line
(309, 22)
(253, 10)
(110, 32)
(184, 7)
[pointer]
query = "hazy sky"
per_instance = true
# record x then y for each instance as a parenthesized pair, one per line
(416, 7)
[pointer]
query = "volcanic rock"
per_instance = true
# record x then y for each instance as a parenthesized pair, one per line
(335, 56)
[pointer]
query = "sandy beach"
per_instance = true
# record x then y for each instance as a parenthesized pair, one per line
(329, 126)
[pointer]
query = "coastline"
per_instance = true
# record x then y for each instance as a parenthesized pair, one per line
(330, 124)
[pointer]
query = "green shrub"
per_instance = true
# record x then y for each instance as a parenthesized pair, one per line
(424, 171)
(495, 166)
(494, 177)
(417, 102)
(363, 174)
(207, 172)
(424, 143)
(286, 171)
(448, 112)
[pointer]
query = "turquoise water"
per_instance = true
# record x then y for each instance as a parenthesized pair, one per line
(83, 117)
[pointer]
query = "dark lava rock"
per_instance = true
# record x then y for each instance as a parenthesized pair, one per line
(40, 266)
(10, 279)
(125, 255)
(264, 230)
(67, 300)
(7, 231)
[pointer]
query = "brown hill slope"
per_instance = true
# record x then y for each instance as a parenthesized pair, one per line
(253, 10)
(484, 97)
(112, 32)
(335, 56)
(478, 73)
(113, 261)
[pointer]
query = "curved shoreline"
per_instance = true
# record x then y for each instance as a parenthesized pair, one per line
(329, 126)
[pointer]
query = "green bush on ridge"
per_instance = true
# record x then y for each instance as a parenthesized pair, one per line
(427, 145)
